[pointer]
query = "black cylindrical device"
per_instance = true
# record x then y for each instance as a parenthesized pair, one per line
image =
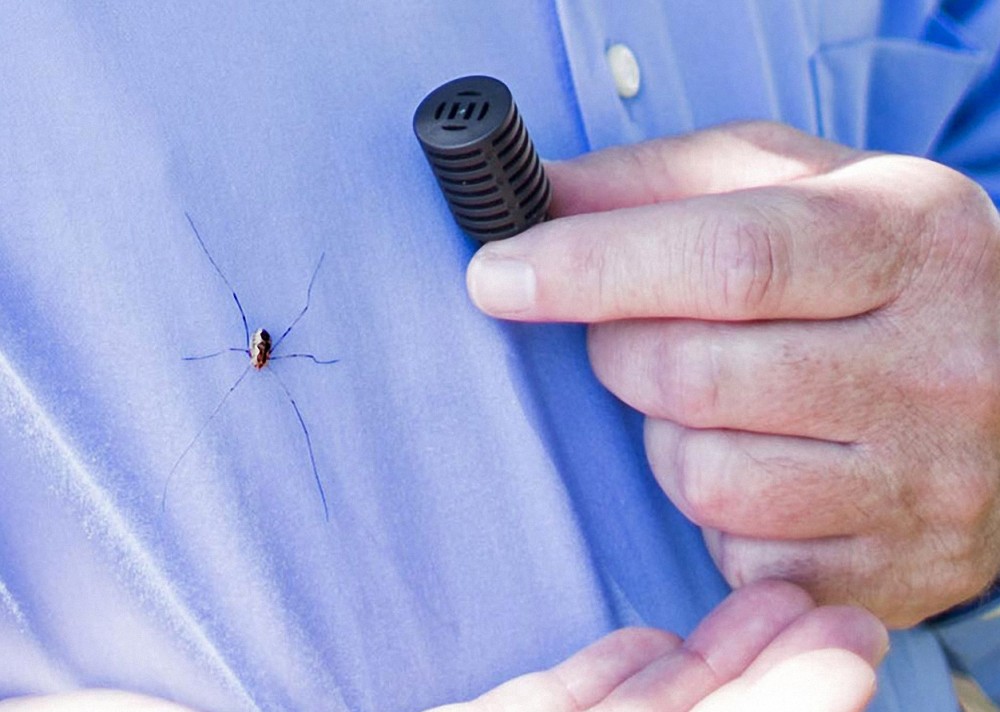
(484, 161)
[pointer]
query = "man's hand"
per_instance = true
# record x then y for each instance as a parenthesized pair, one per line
(765, 648)
(814, 334)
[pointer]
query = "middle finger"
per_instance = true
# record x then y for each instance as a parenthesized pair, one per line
(805, 379)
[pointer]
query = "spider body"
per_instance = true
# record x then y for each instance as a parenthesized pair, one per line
(260, 348)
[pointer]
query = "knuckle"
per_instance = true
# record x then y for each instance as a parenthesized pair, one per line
(934, 562)
(971, 576)
(954, 569)
(972, 501)
(961, 484)
(957, 196)
(743, 262)
(969, 376)
(874, 259)
(952, 221)
(957, 493)
(956, 370)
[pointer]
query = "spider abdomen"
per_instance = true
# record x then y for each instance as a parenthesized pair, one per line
(260, 348)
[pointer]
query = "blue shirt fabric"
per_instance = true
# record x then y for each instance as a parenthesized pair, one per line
(491, 510)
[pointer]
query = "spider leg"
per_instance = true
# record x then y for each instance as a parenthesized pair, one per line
(173, 470)
(312, 358)
(305, 432)
(213, 355)
(218, 271)
(302, 313)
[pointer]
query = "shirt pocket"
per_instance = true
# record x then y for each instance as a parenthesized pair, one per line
(894, 93)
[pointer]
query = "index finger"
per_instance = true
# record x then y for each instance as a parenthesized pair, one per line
(821, 247)
(714, 160)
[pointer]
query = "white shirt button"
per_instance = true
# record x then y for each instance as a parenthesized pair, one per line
(624, 69)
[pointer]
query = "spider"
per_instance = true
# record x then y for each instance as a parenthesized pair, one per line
(260, 349)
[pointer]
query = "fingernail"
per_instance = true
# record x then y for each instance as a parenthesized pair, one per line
(501, 285)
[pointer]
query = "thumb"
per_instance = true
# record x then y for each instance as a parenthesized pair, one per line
(693, 227)
(823, 662)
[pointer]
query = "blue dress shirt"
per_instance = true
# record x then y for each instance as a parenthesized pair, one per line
(490, 506)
